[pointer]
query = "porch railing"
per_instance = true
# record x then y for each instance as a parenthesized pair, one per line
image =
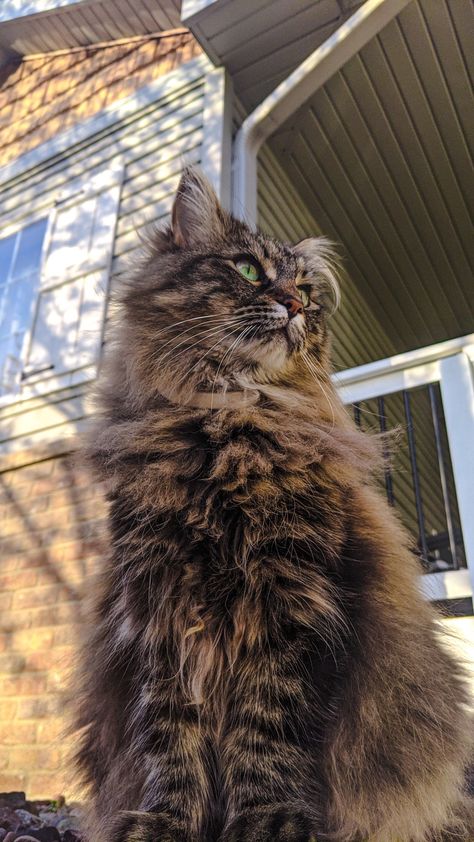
(429, 394)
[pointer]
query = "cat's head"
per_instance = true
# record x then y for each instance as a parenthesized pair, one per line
(215, 297)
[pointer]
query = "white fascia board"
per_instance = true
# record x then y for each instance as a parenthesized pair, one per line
(192, 14)
(189, 72)
(15, 9)
(191, 8)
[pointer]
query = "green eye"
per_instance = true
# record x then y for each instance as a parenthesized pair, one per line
(250, 271)
(305, 296)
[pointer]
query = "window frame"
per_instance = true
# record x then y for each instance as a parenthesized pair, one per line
(12, 230)
(46, 381)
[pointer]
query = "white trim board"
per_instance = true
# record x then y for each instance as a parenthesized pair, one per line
(216, 156)
(169, 83)
(189, 8)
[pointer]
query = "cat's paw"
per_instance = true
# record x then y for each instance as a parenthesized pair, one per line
(148, 827)
(275, 823)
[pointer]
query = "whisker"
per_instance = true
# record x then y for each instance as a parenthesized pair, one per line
(208, 352)
(229, 352)
(200, 333)
(312, 368)
(194, 319)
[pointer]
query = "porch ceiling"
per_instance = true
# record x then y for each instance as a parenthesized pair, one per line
(380, 156)
(261, 41)
(24, 30)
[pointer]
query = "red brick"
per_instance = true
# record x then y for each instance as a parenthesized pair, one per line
(42, 785)
(11, 782)
(37, 597)
(32, 639)
(64, 613)
(18, 734)
(36, 757)
(12, 663)
(24, 685)
(51, 730)
(7, 709)
(5, 601)
(38, 708)
(62, 657)
(15, 581)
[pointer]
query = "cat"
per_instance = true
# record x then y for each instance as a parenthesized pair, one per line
(260, 666)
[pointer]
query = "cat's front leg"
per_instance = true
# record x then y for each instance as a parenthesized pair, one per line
(266, 764)
(149, 827)
(172, 750)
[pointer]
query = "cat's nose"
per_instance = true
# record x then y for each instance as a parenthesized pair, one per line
(293, 304)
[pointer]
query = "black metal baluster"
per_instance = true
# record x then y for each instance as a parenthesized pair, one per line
(388, 473)
(357, 414)
(415, 475)
(442, 473)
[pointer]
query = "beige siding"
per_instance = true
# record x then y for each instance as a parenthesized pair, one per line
(357, 334)
(153, 143)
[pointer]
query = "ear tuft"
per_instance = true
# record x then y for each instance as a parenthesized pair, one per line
(197, 215)
(322, 264)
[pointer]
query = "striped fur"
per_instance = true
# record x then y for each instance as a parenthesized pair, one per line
(260, 665)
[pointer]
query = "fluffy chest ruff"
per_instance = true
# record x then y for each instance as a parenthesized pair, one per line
(226, 532)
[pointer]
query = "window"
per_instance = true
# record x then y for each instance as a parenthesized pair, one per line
(54, 276)
(20, 265)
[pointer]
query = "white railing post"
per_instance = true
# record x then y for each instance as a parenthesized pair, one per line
(457, 392)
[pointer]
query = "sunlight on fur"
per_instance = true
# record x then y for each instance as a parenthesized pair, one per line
(260, 665)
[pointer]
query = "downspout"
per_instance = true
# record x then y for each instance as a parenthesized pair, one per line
(290, 94)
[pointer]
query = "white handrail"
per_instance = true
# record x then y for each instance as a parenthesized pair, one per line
(450, 364)
(420, 356)
(403, 371)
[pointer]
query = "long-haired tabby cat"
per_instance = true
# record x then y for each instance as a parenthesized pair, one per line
(261, 666)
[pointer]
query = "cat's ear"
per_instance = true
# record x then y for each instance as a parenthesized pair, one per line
(322, 267)
(197, 215)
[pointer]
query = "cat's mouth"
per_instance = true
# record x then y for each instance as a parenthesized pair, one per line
(278, 337)
(293, 330)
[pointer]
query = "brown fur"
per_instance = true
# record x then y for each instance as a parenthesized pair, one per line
(261, 665)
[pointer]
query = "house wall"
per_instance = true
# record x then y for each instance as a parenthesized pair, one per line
(43, 95)
(153, 139)
(52, 531)
(51, 544)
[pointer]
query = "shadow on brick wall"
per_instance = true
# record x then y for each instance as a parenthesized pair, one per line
(52, 540)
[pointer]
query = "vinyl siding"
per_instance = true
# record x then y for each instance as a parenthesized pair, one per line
(357, 335)
(381, 156)
(153, 144)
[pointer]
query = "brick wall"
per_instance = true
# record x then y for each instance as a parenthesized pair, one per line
(47, 94)
(51, 542)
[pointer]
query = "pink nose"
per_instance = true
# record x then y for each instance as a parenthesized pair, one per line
(293, 305)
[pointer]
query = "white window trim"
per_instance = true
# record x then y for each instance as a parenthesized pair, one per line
(215, 161)
(41, 383)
